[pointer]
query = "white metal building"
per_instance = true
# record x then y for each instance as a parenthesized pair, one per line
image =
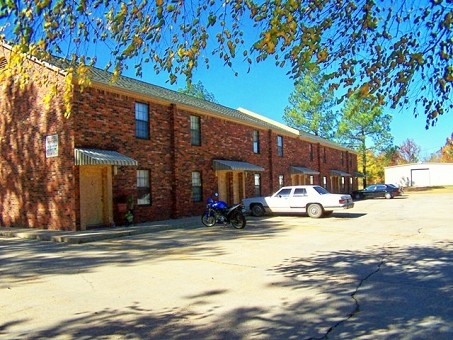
(420, 174)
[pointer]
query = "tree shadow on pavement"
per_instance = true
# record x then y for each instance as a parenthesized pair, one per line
(390, 292)
(23, 260)
(380, 293)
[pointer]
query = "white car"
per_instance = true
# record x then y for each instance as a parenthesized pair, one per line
(314, 200)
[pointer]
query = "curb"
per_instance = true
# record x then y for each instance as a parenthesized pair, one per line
(86, 236)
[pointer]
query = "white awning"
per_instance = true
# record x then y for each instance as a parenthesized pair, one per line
(220, 164)
(339, 173)
(303, 170)
(101, 157)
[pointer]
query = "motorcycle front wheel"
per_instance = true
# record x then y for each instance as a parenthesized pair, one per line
(237, 220)
(208, 220)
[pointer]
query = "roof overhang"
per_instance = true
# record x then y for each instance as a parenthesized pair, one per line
(339, 173)
(303, 170)
(220, 164)
(101, 157)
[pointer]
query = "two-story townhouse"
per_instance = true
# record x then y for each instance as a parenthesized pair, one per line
(165, 150)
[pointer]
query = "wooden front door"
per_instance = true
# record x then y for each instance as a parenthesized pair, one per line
(231, 186)
(95, 186)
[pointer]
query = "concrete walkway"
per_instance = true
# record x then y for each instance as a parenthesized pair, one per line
(93, 235)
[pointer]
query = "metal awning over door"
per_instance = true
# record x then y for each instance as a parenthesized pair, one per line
(101, 157)
(303, 170)
(339, 173)
(220, 164)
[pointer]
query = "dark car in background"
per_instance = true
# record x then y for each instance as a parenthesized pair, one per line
(377, 190)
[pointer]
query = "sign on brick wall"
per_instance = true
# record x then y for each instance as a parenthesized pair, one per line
(51, 146)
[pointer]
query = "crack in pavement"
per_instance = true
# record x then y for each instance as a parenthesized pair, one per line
(356, 302)
(353, 295)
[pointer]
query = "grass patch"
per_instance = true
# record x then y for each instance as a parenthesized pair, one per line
(430, 189)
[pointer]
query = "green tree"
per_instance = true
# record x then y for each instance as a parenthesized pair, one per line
(401, 52)
(364, 127)
(310, 107)
(374, 167)
(198, 91)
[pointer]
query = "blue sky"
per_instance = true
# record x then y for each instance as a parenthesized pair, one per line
(266, 89)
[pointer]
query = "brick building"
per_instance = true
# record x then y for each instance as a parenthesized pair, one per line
(164, 151)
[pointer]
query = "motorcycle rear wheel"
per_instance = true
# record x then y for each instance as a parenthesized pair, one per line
(237, 220)
(208, 220)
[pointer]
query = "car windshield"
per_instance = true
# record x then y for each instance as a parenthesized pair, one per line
(321, 190)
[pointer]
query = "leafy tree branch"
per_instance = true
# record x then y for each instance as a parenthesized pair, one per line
(398, 51)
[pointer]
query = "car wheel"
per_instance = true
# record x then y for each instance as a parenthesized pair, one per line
(315, 210)
(257, 210)
(388, 195)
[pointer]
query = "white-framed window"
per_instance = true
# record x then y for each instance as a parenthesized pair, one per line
(256, 141)
(143, 188)
(257, 185)
(195, 130)
(141, 120)
(197, 193)
(280, 146)
(280, 181)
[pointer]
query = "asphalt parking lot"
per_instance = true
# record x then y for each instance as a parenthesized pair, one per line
(381, 270)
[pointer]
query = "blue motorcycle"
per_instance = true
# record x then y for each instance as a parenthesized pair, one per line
(219, 212)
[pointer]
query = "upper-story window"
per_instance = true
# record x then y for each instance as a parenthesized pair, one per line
(256, 141)
(141, 120)
(195, 130)
(280, 146)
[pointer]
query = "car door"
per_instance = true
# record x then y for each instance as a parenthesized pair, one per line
(298, 200)
(380, 191)
(370, 191)
(279, 202)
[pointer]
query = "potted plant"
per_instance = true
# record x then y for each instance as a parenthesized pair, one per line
(121, 203)
(130, 202)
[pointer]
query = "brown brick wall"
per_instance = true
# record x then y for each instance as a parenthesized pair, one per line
(35, 191)
(44, 192)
